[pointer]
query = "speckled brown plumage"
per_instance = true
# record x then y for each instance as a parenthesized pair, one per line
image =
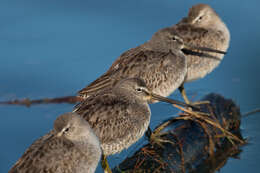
(203, 27)
(159, 62)
(77, 151)
(119, 116)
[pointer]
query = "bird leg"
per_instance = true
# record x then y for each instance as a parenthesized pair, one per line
(148, 132)
(105, 165)
(184, 95)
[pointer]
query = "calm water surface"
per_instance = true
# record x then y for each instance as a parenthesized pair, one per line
(54, 48)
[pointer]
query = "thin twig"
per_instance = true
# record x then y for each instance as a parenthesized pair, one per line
(251, 112)
(27, 102)
(211, 122)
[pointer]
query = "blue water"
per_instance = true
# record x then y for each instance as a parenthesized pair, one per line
(54, 48)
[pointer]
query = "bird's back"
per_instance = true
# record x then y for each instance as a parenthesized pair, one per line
(202, 63)
(50, 154)
(162, 72)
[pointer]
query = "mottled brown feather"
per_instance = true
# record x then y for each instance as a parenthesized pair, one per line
(50, 154)
(210, 33)
(119, 120)
(57, 154)
(162, 71)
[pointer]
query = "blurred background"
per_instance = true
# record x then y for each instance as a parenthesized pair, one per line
(55, 48)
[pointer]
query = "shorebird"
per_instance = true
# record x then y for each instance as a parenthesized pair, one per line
(70, 147)
(119, 116)
(160, 62)
(202, 27)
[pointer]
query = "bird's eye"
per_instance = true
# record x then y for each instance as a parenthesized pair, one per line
(200, 18)
(66, 130)
(174, 39)
(139, 89)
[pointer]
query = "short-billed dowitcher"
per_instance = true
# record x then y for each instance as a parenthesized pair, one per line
(160, 62)
(203, 28)
(119, 116)
(70, 147)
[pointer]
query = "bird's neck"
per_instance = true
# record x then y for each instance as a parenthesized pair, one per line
(155, 45)
(224, 29)
(221, 27)
(91, 150)
(91, 145)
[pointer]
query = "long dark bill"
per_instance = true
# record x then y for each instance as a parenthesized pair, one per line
(171, 101)
(205, 49)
